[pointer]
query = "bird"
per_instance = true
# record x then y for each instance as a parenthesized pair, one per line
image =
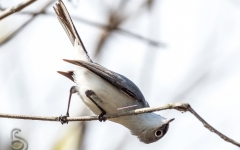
(106, 92)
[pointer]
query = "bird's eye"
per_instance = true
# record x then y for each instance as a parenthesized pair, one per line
(158, 133)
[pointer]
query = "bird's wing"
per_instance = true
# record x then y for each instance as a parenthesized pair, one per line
(67, 24)
(117, 80)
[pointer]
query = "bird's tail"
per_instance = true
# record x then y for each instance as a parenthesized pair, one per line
(67, 24)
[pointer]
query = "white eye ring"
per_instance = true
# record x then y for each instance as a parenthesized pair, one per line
(158, 133)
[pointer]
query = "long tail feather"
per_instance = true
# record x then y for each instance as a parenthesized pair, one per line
(67, 24)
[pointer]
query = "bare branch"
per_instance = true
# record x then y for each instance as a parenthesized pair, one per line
(16, 8)
(183, 107)
(212, 129)
(11, 34)
(99, 25)
(107, 27)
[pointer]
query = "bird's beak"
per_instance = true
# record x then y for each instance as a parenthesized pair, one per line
(169, 120)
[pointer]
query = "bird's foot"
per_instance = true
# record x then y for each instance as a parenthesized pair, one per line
(101, 117)
(63, 119)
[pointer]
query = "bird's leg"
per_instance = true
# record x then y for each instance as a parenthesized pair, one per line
(63, 119)
(91, 95)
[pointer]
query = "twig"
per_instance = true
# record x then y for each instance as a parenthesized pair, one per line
(212, 129)
(14, 32)
(183, 107)
(149, 41)
(16, 8)
(106, 27)
(99, 25)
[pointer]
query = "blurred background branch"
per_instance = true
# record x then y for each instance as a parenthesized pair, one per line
(11, 34)
(113, 25)
(14, 9)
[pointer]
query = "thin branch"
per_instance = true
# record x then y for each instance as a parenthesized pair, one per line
(99, 25)
(149, 41)
(16, 8)
(212, 129)
(183, 107)
(116, 17)
(107, 27)
(11, 34)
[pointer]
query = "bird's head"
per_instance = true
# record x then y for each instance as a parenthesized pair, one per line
(153, 133)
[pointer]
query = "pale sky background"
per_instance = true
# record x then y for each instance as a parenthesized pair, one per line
(200, 65)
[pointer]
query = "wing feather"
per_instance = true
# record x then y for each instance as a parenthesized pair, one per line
(119, 81)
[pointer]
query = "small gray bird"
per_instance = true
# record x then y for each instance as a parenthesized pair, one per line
(107, 92)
